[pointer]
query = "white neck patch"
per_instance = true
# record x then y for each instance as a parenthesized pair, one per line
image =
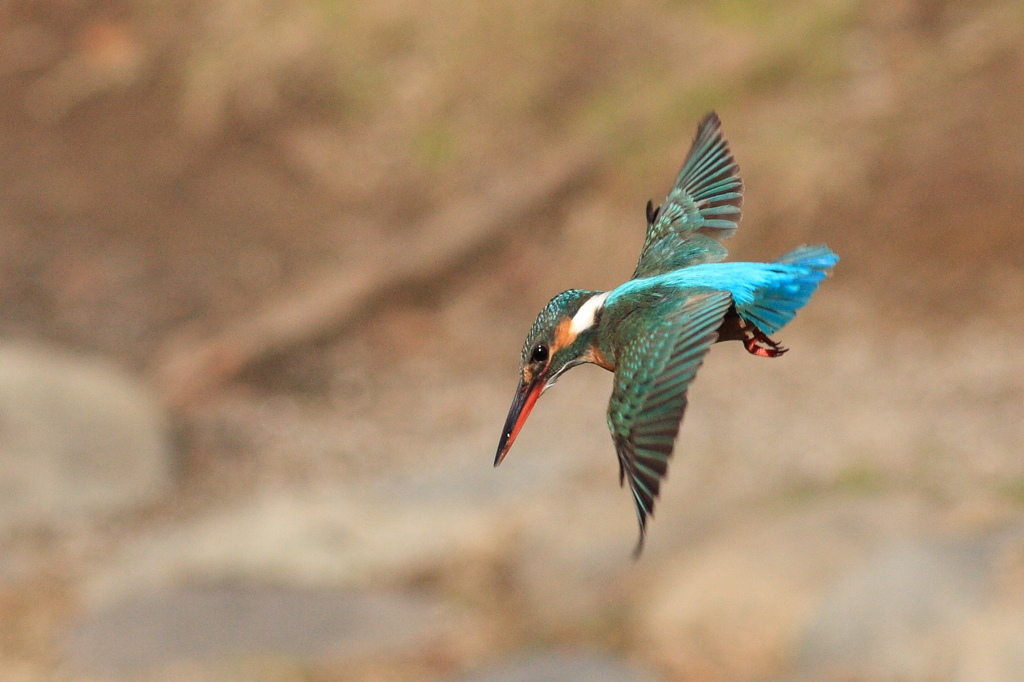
(585, 316)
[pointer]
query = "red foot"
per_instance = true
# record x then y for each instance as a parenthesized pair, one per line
(763, 347)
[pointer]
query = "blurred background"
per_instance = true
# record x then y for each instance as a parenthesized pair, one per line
(265, 270)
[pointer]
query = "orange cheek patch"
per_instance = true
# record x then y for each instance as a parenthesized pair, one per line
(563, 335)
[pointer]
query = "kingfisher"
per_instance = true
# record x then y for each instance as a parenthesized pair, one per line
(654, 331)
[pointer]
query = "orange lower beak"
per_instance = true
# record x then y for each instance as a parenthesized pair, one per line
(526, 398)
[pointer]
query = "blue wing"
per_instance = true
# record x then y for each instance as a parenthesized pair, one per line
(702, 209)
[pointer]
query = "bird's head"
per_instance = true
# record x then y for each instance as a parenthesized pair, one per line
(561, 337)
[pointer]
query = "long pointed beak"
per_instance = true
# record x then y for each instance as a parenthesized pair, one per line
(526, 397)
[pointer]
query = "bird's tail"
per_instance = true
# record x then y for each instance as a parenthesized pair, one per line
(800, 270)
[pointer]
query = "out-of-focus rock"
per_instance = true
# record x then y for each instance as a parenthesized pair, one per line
(77, 437)
(316, 539)
(736, 607)
(230, 628)
(991, 645)
(923, 610)
(22, 671)
(436, 519)
(240, 669)
(572, 561)
(891, 616)
(369, 531)
(565, 666)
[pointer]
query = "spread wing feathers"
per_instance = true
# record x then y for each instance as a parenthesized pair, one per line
(653, 373)
(702, 209)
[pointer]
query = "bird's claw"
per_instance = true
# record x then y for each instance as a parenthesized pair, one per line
(763, 347)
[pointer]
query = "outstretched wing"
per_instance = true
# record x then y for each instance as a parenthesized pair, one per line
(702, 209)
(652, 375)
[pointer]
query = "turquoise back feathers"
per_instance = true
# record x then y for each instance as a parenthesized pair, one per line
(765, 294)
(774, 306)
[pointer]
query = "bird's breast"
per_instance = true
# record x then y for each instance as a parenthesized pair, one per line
(596, 356)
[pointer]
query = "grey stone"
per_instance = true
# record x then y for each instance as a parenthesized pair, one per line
(571, 568)
(892, 616)
(311, 538)
(77, 437)
(372, 530)
(736, 606)
(566, 666)
(210, 625)
(922, 609)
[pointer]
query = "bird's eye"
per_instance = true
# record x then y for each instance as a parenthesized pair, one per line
(540, 353)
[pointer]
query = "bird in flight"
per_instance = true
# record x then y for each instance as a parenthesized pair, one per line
(655, 330)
